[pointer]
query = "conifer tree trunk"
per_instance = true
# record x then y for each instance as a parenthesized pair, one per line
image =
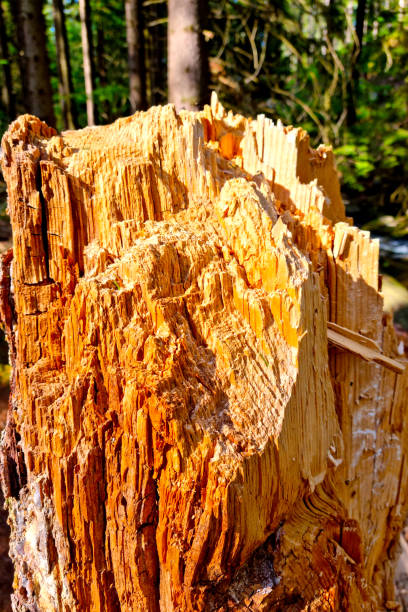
(64, 66)
(157, 49)
(186, 57)
(34, 59)
(105, 110)
(88, 61)
(18, 38)
(136, 55)
(8, 93)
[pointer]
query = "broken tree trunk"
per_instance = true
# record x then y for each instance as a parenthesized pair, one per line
(208, 408)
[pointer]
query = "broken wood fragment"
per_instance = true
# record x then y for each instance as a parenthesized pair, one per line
(360, 345)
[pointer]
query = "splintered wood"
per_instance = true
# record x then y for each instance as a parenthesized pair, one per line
(208, 408)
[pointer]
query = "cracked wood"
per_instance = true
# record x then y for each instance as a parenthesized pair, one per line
(181, 435)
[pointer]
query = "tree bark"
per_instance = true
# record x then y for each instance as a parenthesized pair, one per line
(186, 56)
(156, 52)
(87, 53)
(34, 59)
(64, 66)
(208, 405)
(17, 60)
(105, 110)
(8, 93)
(136, 55)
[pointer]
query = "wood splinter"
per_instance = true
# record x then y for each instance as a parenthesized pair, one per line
(358, 344)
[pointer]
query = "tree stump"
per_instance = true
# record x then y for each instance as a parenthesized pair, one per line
(208, 407)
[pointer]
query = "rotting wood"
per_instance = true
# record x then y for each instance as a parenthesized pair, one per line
(181, 435)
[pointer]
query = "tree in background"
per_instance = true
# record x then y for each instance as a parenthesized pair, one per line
(101, 71)
(155, 39)
(110, 58)
(355, 72)
(7, 89)
(34, 59)
(88, 60)
(136, 55)
(64, 65)
(186, 58)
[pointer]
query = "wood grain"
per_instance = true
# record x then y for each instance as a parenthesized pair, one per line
(181, 435)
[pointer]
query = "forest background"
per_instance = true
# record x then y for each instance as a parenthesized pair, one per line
(338, 68)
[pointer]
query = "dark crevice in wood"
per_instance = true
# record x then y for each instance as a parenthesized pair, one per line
(43, 220)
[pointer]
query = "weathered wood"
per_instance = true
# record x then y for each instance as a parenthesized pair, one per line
(181, 434)
(362, 346)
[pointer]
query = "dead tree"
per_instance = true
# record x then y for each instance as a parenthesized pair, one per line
(208, 406)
